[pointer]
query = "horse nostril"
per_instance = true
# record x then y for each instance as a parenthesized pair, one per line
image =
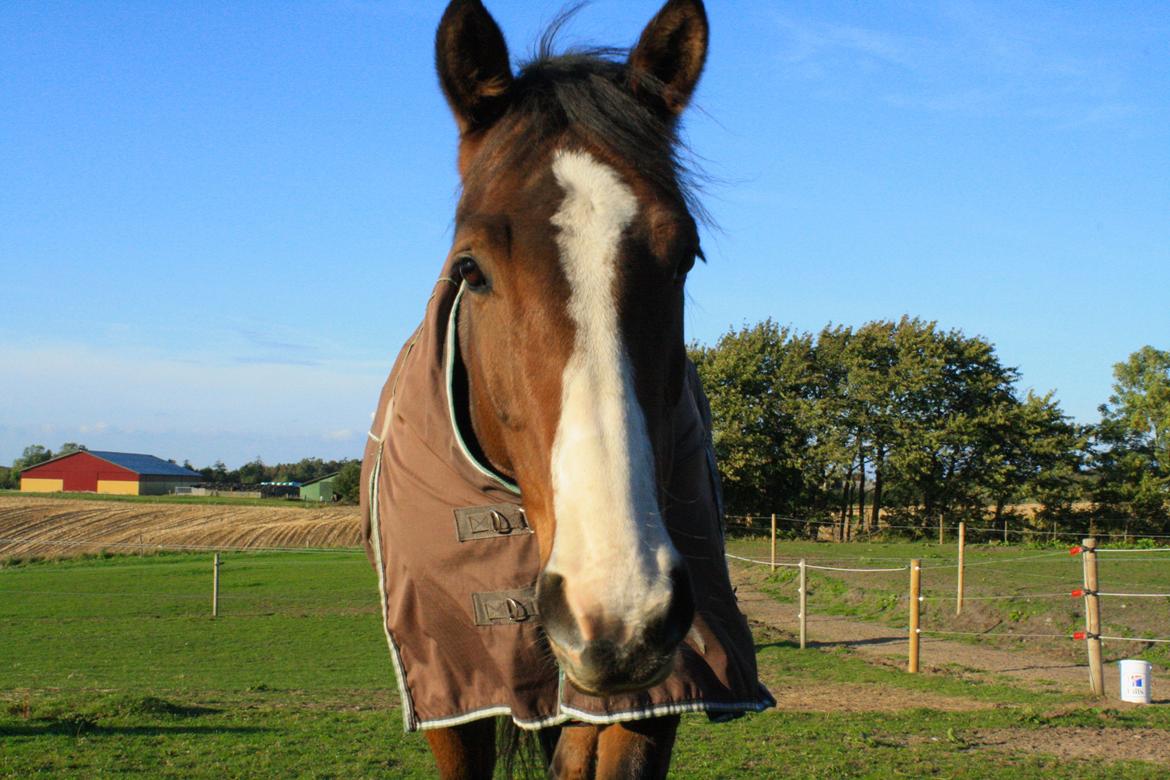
(554, 611)
(600, 656)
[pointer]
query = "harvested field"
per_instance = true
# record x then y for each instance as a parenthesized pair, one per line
(59, 528)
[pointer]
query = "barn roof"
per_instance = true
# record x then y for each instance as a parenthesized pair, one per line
(145, 465)
(320, 479)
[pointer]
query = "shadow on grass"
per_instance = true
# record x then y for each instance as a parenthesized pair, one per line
(876, 640)
(1042, 668)
(72, 727)
(783, 643)
(793, 645)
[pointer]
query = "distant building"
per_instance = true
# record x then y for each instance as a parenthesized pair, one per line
(319, 489)
(95, 471)
(280, 489)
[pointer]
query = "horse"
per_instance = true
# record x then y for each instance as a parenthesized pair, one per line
(547, 407)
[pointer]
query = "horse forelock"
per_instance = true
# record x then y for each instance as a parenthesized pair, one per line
(581, 99)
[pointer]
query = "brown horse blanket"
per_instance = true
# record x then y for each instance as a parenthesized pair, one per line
(457, 563)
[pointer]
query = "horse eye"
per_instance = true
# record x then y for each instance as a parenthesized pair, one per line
(471, 273)
(684, 268)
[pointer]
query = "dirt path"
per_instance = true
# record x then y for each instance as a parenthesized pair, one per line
(889, 645)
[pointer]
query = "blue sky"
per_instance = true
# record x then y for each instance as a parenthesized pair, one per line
(218, 222)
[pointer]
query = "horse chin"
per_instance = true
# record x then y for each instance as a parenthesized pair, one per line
(604, 682)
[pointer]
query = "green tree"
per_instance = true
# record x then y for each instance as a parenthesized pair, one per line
(1140, 403)
(254, 472)
(71, 446)
(1033, 452)
(955, 401)
(760, 381)
(31, 456)
(1133, 440)
(348, 482)
(903, 415)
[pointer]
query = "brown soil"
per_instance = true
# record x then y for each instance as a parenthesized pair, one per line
(61, 528)
(1066, 742)
(861, 697)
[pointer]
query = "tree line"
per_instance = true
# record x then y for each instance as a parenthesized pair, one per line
(218, 475)
(889, 424)
(256, 471)
(906, 424)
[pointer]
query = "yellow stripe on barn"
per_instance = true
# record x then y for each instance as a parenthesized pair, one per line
(31, 485)
(118, 487)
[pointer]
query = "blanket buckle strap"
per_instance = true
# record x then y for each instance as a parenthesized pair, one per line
(504, 606)
(490, 522)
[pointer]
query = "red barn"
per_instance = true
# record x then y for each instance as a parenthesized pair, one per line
(94, 471)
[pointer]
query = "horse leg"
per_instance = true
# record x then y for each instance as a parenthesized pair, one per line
(576, 752)
(466, 752)
(639, 749)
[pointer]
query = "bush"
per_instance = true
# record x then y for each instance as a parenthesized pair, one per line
(348, 482)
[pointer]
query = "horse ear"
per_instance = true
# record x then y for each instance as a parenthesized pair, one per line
(666, 64)
(472, 60)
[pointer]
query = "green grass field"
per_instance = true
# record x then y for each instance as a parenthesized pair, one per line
(114, 666)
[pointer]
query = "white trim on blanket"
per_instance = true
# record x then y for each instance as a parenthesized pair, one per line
(490, 712)
(450, 346)
(661, 710)
(408, 719)
(566, 714)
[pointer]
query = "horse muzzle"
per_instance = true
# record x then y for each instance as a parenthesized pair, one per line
(606, 654)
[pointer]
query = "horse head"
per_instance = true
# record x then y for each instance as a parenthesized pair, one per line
(573, 240)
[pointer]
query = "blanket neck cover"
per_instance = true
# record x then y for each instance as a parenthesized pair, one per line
(457, 563)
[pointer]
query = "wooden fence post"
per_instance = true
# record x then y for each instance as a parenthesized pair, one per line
(959, 585)
(1093, 617)
(942, 534)
(773, 541)
(215, 586)
(915, 594)
(803, 604)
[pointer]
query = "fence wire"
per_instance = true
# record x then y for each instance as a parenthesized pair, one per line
(1034, 533)
(790, 565)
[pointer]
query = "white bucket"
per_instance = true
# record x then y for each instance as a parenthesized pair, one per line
(1135, 681)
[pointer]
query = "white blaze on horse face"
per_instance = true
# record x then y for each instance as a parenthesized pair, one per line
(611, 546)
